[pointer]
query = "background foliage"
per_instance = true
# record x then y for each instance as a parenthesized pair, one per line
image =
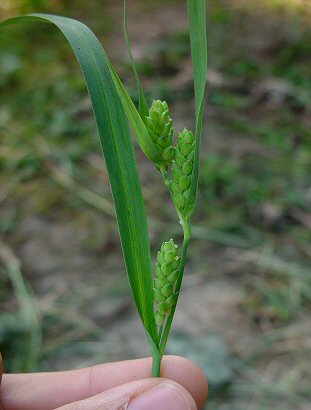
(247, 293)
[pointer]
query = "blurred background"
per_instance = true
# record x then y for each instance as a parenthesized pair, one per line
(244, 311)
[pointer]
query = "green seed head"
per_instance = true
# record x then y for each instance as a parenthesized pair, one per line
(173, 276)
(159, 126)
(182, 168)
(175, 187)
(161, 259)
(158, 296)
(158, 268)
(159, 318)
(175, 263)
(166, 268)
(179, 200)
(185, 149)
(185, 137)
(160, 282)
(166, 274)
(155, 117)
(187, 168)
(180, 159)
(186, 194)
(168, 248)
(170, 256)
(171, 300)
(164, 308)
(167, 290)
(177, 172)
(184, 182)
(168, 154)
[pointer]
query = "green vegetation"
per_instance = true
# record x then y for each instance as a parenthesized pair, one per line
(251, 228)
(112, 109)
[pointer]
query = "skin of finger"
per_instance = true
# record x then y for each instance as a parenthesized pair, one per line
(1, 368)
(47, 391)
(119, 397)
(1, 372)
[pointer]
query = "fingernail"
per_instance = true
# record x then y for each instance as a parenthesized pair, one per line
(163, 396)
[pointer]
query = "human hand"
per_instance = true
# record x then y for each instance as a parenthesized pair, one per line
(111, 386)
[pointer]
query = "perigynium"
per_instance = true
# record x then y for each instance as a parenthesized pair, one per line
(155, 294)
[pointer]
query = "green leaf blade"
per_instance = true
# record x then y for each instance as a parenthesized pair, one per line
(119, 155)
(198, 42)
(142, 135)
(143, 106)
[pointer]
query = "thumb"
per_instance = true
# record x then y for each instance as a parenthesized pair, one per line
(146, 394)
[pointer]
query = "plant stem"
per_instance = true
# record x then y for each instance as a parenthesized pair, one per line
(156, 365)
(160, 332)
(167, 328)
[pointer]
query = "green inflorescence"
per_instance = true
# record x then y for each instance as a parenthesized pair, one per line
(166, 274)
(182, 167)
(180, 159)
(159, 126)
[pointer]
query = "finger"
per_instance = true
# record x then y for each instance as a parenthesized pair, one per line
(1, 368)
(46, 391)
(147, 394)
(1, 371)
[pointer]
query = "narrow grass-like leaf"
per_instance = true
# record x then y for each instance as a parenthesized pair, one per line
(142, 135)
(143, 106)
(198, 41)
(119, 155)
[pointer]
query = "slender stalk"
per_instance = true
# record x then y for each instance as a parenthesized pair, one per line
(160, 332)
(156, 365)
(168, 324)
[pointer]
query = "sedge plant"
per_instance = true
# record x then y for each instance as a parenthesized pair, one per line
(155, 294)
